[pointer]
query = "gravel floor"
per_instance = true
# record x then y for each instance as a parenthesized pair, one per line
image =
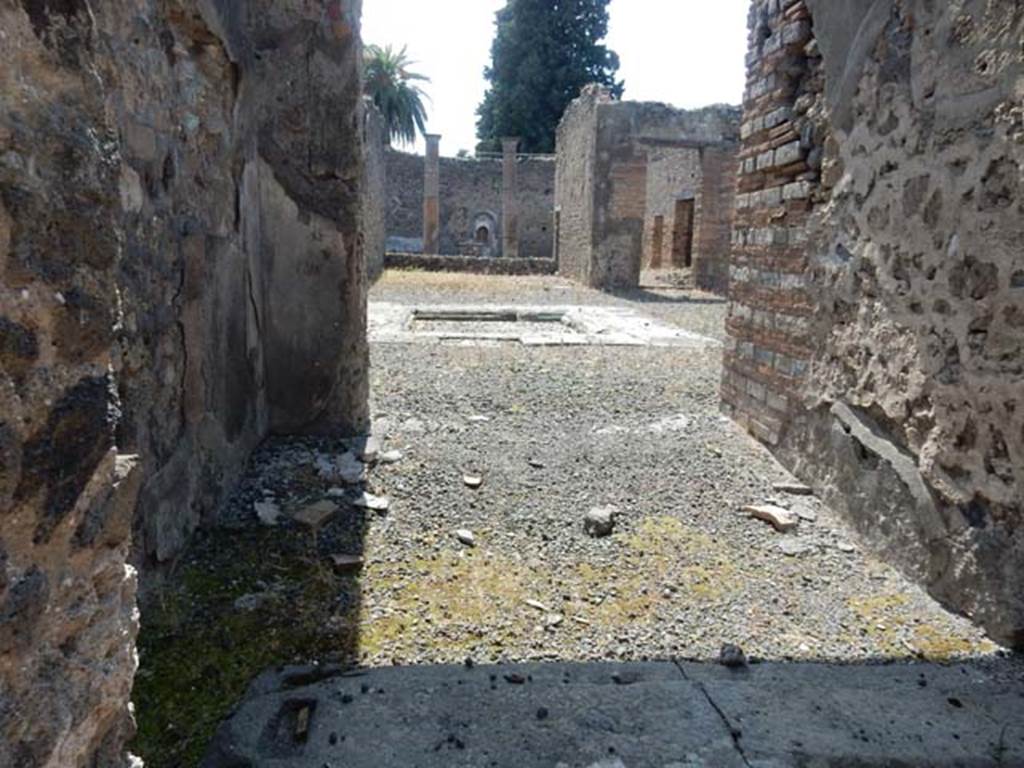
(556, 432)
(549, 433)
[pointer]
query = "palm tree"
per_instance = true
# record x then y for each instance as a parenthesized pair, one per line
(391, 86)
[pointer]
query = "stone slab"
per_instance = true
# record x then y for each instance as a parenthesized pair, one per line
(453, 717)
(884, 715)
(637, 715)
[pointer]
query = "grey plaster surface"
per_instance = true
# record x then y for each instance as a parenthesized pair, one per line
(637, 715)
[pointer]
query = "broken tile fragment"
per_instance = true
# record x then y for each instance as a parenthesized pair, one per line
(781, 519)
(315, 515)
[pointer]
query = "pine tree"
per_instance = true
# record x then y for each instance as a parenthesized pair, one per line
(543, 54)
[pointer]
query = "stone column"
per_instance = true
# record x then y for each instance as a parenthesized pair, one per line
(509, 207)
(432, 196)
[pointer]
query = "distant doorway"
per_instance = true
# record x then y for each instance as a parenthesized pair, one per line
(682, 234)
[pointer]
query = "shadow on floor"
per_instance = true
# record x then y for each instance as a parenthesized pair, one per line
(631, 715)
(246, 596)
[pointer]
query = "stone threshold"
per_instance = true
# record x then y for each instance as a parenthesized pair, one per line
(629, 715)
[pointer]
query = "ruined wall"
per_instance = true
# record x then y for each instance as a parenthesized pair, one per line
(715, 208)
(374, 189)
(470, 187)
(632, 153)
(574, 184)
(309, 139)
(226, 224)
(877, 340)
(769, 315)
(67, 596)
(176, 177)
(672, 174)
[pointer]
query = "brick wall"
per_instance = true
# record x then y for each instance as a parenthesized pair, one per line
(714, 218)
(876, 280)
(769, 348)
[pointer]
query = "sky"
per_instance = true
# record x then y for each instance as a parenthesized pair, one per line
(689, 53)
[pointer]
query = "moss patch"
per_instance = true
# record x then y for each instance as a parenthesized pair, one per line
(198, 651)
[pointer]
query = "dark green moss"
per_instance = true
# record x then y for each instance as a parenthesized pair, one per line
(198, 652)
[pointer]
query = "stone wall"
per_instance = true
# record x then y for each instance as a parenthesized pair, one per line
(574, 184)
(180, 273)
(470, 187)
(237, 202)
(67, 595)
(478, 265)
(625, 165)
(715, 208)
(374, 190)
(876, 306)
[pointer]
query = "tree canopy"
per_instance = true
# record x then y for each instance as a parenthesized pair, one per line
(544, 53)
(392, 86)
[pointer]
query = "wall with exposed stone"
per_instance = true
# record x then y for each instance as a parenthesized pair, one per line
(715, 210)
(640, 158)
(173, 175)
(374, 190)
(574, 184)
(877, 272)
(470, 188)
(67, 595)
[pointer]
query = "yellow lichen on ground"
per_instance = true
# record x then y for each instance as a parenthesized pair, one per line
(937, 644)
(462, 601)
(893, 624)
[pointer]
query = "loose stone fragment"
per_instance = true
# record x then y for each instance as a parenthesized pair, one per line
(600, 521)
(732, 656)
(806, 512)
(268, 512)
(536, 604)
(302, 724)
(782, 519)
(346, 468)
(465, 536)
(478, 419)
(253, 602)
(793, 548)
(369, 501)
(351, 470)
(344, 563)
(846, 547)
(794, 489)
(367, 449)
(315, 515)
(390, 457)
(473, 481)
